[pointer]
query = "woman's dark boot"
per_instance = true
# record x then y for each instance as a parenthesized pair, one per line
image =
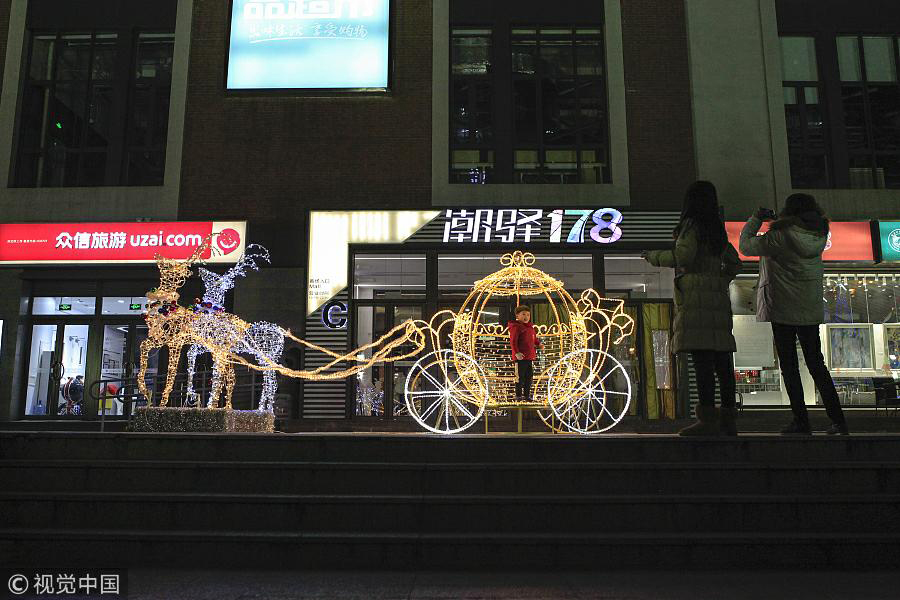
(727, 421)
(707, 423)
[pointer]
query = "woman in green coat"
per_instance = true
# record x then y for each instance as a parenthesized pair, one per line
(705, 263)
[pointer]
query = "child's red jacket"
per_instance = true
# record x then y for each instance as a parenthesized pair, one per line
(523, 339)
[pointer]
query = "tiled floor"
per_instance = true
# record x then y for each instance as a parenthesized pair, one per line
(698, 585)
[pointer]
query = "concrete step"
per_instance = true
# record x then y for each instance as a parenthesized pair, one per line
(301, 477)
(457, 514)
(421, 448)
(471, 551)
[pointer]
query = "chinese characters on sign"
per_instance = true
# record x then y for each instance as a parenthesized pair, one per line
(509, 226)
(324, 44)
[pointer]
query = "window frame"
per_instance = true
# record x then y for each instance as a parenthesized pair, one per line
(831, 87)
(122, 85)
(505, 144)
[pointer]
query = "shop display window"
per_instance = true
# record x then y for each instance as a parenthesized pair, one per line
(892, 346)
(850, 347)
(860, 339)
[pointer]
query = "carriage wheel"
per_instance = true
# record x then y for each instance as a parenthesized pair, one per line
(446, 392)
(589, 391)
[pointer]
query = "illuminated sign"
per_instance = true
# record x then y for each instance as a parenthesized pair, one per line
(332, 232)
(135, 307)
(309, 44)
(65, 307)
(73, 243)
(334, 315)
(515, 226)
(889, 240)
(848, 240)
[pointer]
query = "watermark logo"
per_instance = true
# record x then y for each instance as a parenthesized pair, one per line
(55, 583)
(17, 584)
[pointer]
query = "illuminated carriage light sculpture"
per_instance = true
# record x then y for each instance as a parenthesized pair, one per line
(578, 386)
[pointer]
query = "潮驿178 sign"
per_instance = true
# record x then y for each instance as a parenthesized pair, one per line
(524, 225)
(102, 243)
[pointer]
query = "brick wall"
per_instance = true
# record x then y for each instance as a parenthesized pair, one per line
(658, 98)
(267, 157)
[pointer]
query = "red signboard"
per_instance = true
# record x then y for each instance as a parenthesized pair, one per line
(848, 240)
(101, 243)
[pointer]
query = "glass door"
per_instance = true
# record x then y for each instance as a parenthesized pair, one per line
(119, 365)
(73, 344)
(57, 369)
(43, 369)
(378, 391)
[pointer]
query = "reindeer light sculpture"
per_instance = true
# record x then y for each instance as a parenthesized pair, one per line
(264, 340)
(173, 326)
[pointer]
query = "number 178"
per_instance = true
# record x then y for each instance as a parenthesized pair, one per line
(606, 223)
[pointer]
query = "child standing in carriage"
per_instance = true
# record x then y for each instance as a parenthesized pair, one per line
(524, 342)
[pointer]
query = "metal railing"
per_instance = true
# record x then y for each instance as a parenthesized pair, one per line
(247, 391)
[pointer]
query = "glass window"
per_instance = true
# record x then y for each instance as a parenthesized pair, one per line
(557, 103)
(798, 59)
(881, 63)
(457, 273)
(40, 369)
(637, 277)
(77, 106)
(850, 347)
(379, 276)
(64, 305)
(123, 305)
(848, 58)
(804, 117)
(471, 51)
(471, 107)
(559, 106)
(472, 166)
(871, 110)
(148, 121)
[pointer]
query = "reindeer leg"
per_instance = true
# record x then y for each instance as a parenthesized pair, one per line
(193, 352)
(216, 390)
(229, 384)
(275, 348)
(267, 399)
(146, 346)
(174, 356)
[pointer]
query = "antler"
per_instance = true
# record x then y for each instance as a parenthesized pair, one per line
(203, 247)
(248, 261)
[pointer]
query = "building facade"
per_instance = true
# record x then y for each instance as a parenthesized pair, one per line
(388, 152)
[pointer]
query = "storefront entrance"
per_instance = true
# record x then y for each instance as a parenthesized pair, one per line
(388, 288)
(379, 390)
(83, 353)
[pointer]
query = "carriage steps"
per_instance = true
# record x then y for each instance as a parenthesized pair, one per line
(398, 501)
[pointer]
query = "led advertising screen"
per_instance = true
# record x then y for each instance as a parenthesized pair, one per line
(309, 44)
